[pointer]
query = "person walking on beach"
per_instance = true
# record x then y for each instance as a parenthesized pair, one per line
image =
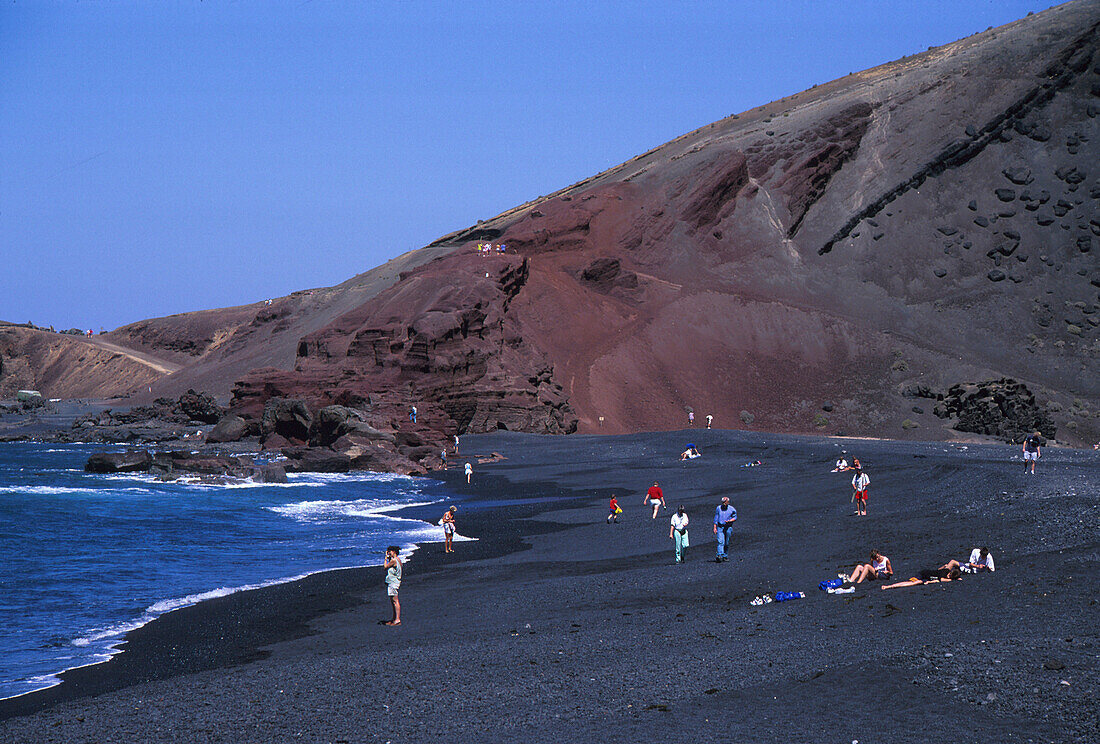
(1031, 451)
(655, 497)
(615, 510)
(456, 444)
(448, 523)
(469, 472)
(678, 532)
(393, 582)
(443, 457)
(709, 419)
(860, 481)
(724, 517)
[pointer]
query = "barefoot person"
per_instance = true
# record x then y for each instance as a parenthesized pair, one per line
(655, 497)
(393, 582)
(929, 576)
(1031, 451)
(724, 517)
(614, 510)
(860, 481)
(678, 532)
(878, 569)
(980, 560)
(448, 523)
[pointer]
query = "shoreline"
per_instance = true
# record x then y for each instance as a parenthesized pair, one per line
(96, 677)
(551, 603)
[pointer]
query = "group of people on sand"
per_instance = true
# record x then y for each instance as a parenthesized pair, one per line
(880, 569)
(724, 517)
(860, 482)
(691, 418)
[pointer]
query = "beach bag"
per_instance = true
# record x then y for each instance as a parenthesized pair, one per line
(787, 596)
(830, 584)
(618, 510)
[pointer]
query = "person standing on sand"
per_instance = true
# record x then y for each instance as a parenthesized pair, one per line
(393, 582)
(469, 472)
(860, 481)
(655, 497)
(1031, 451)
(456, 444)
(615, 510)
(448, 523)
(443, 457)
(678, 532)
(724, 517)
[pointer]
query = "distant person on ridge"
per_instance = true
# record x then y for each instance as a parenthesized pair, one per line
(724, 517)
(655, 497)
(1032, 451)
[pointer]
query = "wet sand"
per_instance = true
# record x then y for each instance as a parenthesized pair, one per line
(555, 626)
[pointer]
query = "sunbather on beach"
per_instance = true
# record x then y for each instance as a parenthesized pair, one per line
(878, 569)
(690, 453)
(929, 576)
(655, 497)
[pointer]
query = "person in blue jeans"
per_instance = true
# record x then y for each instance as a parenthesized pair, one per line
(724, 517)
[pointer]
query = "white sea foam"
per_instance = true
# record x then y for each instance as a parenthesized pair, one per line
(62, 490)
(324, 511)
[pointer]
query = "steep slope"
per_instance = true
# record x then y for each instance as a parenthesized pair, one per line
(924, 223)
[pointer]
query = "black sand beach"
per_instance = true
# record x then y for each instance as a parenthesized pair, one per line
(555, 626)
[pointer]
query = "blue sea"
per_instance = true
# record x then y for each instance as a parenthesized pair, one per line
(89, 557)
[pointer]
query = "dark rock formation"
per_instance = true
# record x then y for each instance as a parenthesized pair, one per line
(1002, 408)
(231, 428)
(200, 407)
(315, 460)
(130, 461)
(288, 418)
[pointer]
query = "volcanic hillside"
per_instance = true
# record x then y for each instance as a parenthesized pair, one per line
(817, 264)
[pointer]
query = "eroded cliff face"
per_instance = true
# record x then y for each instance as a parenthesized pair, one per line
(442, 339)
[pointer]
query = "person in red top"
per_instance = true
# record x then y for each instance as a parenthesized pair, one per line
(613, 505)
(655, 497)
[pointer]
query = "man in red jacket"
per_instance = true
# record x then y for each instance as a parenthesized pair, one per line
(655, 497)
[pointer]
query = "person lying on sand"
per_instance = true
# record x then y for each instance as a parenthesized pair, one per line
(878, 569)
(690, 453)
(929, 576)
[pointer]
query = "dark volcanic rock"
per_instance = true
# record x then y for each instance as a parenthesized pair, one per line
(315, 460)
(333, 422)
(1003, 408)
(231, 428)
(130, 461)
(289, 418)
(200, 407)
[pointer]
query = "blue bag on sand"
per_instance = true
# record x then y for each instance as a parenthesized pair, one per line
(784, 596)
(830, 584)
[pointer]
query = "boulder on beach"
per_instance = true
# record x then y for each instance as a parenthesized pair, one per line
(287, 417)
(231, 428)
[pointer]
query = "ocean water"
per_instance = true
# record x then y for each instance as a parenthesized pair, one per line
(87, 558)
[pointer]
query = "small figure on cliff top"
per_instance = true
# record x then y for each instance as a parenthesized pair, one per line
(412, 415)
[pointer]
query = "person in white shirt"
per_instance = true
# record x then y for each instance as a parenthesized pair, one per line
(860, 481)
(980, 560)
(678, 532)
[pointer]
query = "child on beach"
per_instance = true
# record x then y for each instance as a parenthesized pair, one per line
(448, 523)
(678, 532)
(878, 569)
(393, 582)
(655, 497)
(615, 510)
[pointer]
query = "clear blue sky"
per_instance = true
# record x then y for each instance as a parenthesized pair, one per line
(163, 156)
